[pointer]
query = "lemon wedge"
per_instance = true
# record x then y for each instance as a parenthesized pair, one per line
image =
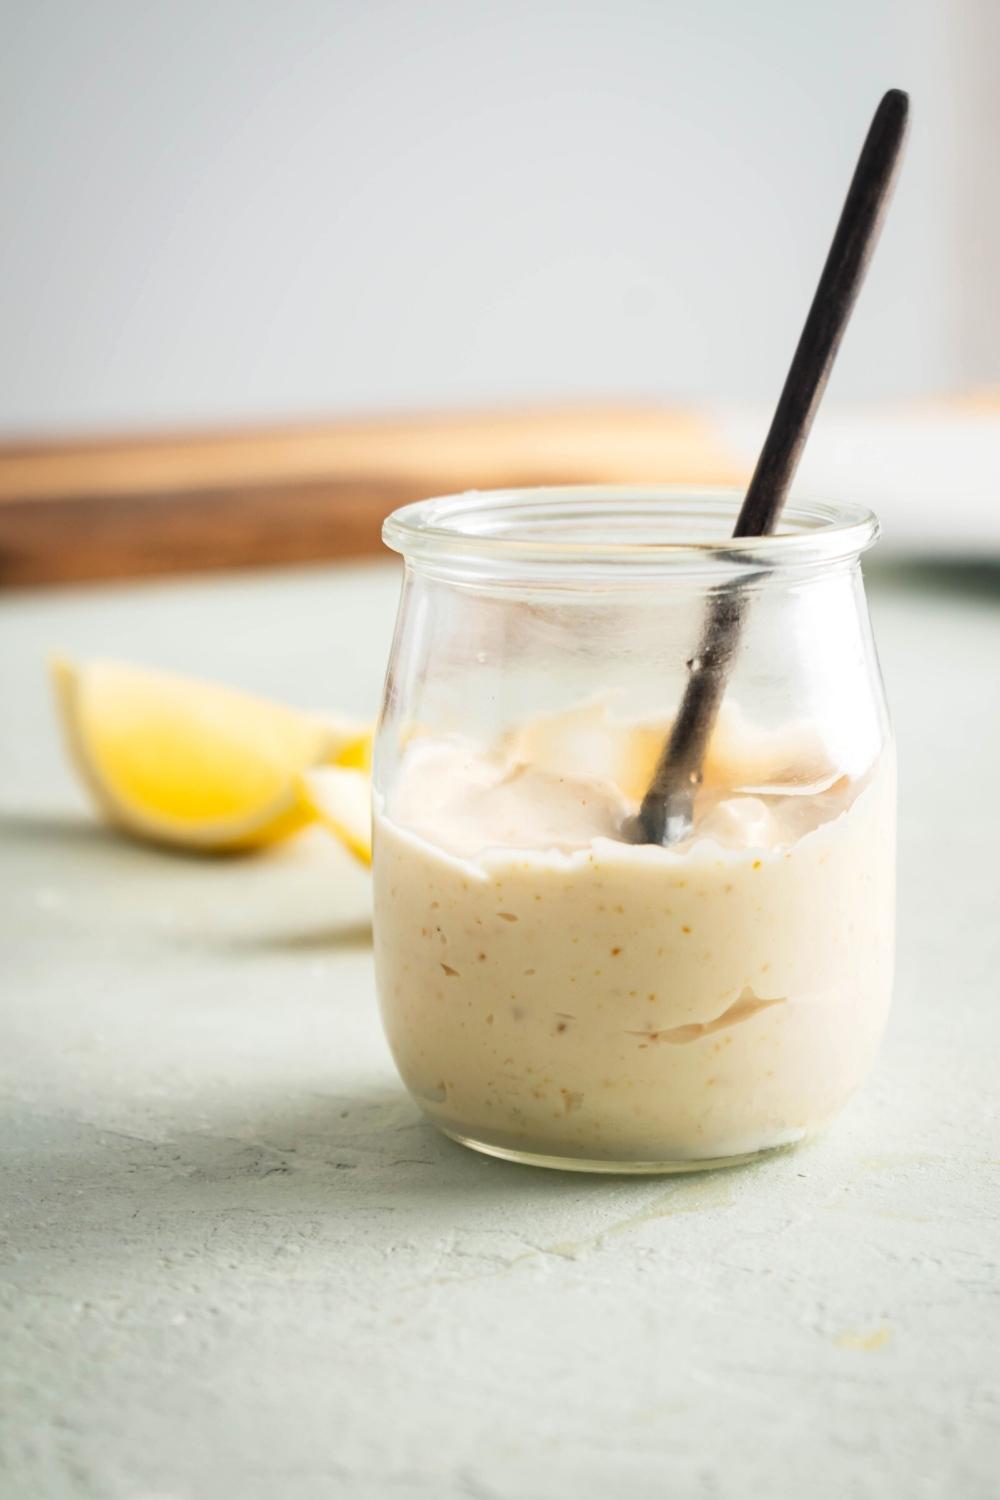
(193, 763)
(341, 798)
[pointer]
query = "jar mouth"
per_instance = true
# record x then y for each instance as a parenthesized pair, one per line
(633, 529)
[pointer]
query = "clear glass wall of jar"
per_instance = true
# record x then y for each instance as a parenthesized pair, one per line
(551, 992)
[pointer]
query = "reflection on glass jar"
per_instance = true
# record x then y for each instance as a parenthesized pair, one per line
(550, 991)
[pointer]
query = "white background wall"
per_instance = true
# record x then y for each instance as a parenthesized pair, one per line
(228, 209)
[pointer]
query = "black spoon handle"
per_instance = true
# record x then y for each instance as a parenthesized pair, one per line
(665, 814)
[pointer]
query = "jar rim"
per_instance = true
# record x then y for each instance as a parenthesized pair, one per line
(620, 528)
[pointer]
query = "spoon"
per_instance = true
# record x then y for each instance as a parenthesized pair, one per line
(665, 816)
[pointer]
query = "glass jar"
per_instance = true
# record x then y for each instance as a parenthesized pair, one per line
(553, 992)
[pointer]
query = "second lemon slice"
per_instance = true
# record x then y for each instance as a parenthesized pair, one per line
(341, 798)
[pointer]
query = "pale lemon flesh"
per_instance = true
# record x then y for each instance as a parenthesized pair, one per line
(341, 798)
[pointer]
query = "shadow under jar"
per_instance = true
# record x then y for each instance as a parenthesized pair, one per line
(551, 992)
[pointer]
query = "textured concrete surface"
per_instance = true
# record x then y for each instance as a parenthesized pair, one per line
(235, 1263)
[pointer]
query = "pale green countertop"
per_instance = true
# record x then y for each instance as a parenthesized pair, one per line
(235, 1262)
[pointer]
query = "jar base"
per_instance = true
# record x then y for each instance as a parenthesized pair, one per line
(614, 1168)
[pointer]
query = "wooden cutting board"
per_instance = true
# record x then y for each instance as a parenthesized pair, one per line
(119, 508)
